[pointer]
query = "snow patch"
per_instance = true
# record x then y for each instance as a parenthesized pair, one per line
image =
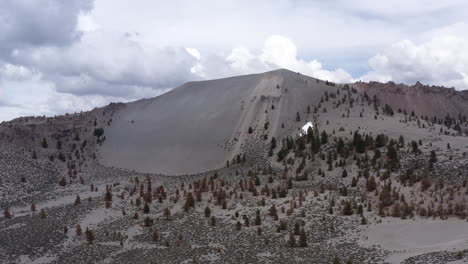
(306, 127)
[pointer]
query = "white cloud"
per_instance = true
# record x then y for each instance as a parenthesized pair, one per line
(441, 58)
(15, 72)
(280, 52)
(61, 56)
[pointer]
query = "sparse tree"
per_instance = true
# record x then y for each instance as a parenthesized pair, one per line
(44, 143)
(146, 208)
(207, 211)
(155, 235)
(43, 213)
(78, 230)
(7, 214)
(77, 200)
(167, 213)
(189, 201)
(258, 218)
(302, 238)
(89, 236)
(292, 240)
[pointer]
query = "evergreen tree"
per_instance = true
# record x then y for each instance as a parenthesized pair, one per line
(148, 221)
(344, 174)
(292, 240)
(324, 137)
(89, 235)
(302, 238)
(433, 157)
(7, 214)
(43, 213)
(146, 208)
(77, 200)
(336, 260)
(207, 211)
(155, 235)
(347, 209)
(258, 218)
(189, 201)
(78, 230)
(44, 143)
(167, 213)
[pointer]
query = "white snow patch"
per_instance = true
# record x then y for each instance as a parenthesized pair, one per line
(306, 127)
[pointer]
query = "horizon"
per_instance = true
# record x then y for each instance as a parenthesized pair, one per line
(220, 78)
(64, 57)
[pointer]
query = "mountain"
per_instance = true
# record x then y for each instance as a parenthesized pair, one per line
(272, 167)
(200, 125)
(422, 99)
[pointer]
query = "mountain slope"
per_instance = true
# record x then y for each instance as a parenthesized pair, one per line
(200, 125)
(422, 99)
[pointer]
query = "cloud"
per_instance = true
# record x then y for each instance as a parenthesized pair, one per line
(63, 56)
(441, 58)
(25, 23)
(104, 63)
(277, 52)
(15, 72)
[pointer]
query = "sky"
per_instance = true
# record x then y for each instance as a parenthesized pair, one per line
(60, 57)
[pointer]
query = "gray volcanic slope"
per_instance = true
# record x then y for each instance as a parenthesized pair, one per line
(422, 99)
(200, 125)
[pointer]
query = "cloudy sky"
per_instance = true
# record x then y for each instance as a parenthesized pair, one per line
(61, 56)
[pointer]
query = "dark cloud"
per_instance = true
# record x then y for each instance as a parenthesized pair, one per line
(30, 23)
(102, 63)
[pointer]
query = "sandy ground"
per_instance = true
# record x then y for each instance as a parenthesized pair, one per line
(406, 238)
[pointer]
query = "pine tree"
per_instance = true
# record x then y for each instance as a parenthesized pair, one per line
(238, 226)
(347, 209)
(7, 214)
(207, 211)
(344, 174)
(148, 221)
(258, 218)
(189, 201)
(146, 208)
(78, 230)
(213, 221)
(336, 260)
(273, 212)
(44, 143)
(292, 240)
(363, 220)
(43, 213)
(62, 182)
(167, 213)
(353, 182)
(302, 238)
(89, 236)
(155, 235)
(77, 200)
